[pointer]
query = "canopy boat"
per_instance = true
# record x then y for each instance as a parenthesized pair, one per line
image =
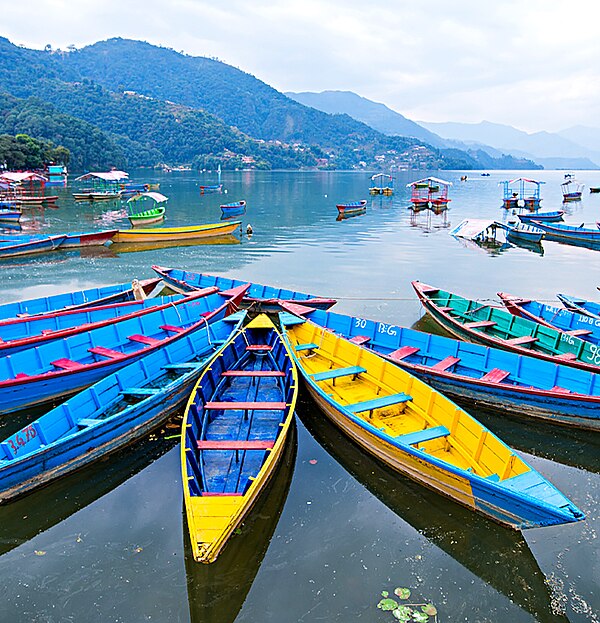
(211, 188)
(105, 185)
(82, 299)
(234, 208)
(521, 231)
(542, 217)
(510, 200)
(164, 234)
(430, 192)
(354, 207)
(382, 184)
(234, 432)
(417, 431)
(28, 188)
(506, 382)
(17, 334)
(571, 189)
(582, 326)
(560, 232)
(50, 371)
(587, 308)
(492, 326)
(155, 214)
(29, 247)
(186, 281)
(10, 215)
(113, 412)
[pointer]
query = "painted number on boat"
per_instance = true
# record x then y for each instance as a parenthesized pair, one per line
(360, 323)
(594, 355)
(565, 337)
(20, 439)
(389, 329)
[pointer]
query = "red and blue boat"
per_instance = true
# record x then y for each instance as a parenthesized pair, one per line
(570, 234)
(355, 207)
(113, 412)
(186, 281)
(62, 367)
(573, 303)
(542, 217)
(18, 248)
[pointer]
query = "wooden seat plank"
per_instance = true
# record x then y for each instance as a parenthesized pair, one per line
(105, 352)
(337, 373)
(139, 391)
(67, 364)
(143, 339)
(172, 328)
(254, 373)
(480, 324)
(560, 390)
(402, 353)
(360, 339)
(262, 406)
(496, 375)
(579, 332)
(259, 347)
(522, 340)
(446, 363)
(378, 403)
(234, 444)
(300, 347)
(421, 436)
(566, 356)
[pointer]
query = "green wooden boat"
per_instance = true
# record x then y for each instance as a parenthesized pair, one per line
(153, 215)
(492, 326)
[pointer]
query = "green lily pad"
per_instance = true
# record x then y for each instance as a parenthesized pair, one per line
(430, 610)
(387, 604)
(402, 613)
(420, 617)
(385, 594)
(403, 593)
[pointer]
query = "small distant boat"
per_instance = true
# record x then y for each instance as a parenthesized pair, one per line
(156, 214)
(430, 192)
(212, 188)
(382, 184)
(29, 247)
(542, 217)
(191, 232)
(186, 281)
(10, 215)
(354, 207)
(571, 189)
(521, 189)
(234, 208)
(595, 189)
(521, 231)
(112, 413)
(71, 241)
(560, 232)
(82, 299)
(587, 308)
(234, 433)
(565, 320)
(419, 432)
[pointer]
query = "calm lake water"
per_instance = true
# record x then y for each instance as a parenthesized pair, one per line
(108, 543)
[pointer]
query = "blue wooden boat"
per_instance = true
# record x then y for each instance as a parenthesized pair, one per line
(419, 432)
(354, 207)
(571, 323)
(234, 208)
(561, 232)
(187, 281)
(542, 217)
(234, 432)
(81, 299)
(521, 231)
(62, 367)
(29, 247)
(587, 308)
(111, 413)
(71, 241)
(17, 334)
(486, 377)
(10, 215)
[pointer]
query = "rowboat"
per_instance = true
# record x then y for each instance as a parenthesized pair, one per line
(595, 189)
(580, 325)
(153, 215)
(192, 232)
(10, 215)
(587, 308)
(483, 324)
(234, 432)
(71, 240)
(419, 432)
(63, 367)
(232, 209)
(506, 382)
(542, 217)
(521, 231)
(113, 412)
(354, 207)
(43, 245)
(187, 281)
(82, 299)
(568, 233)
(97, 195)
(17, 334)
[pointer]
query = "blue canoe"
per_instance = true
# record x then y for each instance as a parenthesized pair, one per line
(111, 413)
(488, 377)
(187, 281)
(62, 367)
(420, 433)
(72, 240)
(542, 217)
(29, 247)
(577, 325)
(80, 299)
(17, 334)
(232, 209)
(587, 308)
(560, 232)
(11, 215)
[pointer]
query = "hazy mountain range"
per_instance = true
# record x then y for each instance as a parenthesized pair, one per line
(573, 148)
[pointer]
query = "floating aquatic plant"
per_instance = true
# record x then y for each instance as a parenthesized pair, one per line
(413, 613)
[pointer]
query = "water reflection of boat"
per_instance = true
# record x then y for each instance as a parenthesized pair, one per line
(216, 592)
(26, 517)
(478, 544)
(132, 247)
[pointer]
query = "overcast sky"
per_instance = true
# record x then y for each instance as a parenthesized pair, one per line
(532, 64)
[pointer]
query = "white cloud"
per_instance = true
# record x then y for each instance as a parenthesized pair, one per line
(531, 64)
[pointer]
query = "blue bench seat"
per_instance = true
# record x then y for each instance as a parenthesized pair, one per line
(378, 403)
(337, 373)
(421, 436)
(300, 347)
(140, 391)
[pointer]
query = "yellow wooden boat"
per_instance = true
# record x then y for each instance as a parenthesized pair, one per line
(419, 432)
(163, 234)
(234, 432)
